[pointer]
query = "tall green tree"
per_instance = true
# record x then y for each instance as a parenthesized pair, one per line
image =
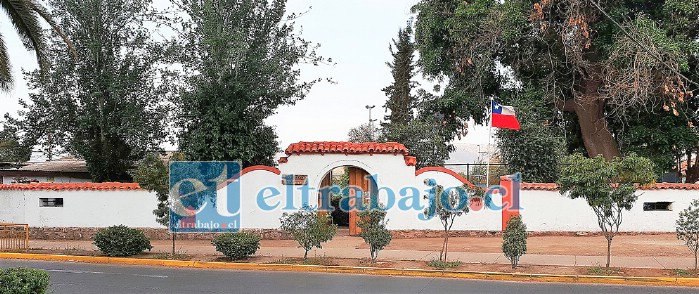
(608, 187)
(242, 62)
(424, 140)
(12, 149)
(24, 16)
(537, 149)
(107, 106)
(364, 133)
(592, 59)
(401, 102)
(661, 137)
(407, 123)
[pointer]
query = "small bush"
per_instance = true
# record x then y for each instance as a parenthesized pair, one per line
(23, 281)
(444, 264)
(121, 241)
(603, 271)
(683, 273)
(308, 228)
(688, 229)
(237, 245)
(514, 240)
(374, 232)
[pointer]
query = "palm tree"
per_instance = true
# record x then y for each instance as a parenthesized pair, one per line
(24, 16)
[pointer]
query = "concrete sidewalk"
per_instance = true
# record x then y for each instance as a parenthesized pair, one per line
(354, 247)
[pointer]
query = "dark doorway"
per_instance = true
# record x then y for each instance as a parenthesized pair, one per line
(342, 177)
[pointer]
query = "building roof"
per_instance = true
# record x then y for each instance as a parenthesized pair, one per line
(346, 148)
(107, 186)
(65, 164)
(658, 186)
(77, 166)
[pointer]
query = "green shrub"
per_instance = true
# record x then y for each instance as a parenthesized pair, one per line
(121, 241)
(237, 245)
(374, 232)
(688, 228)
(23, 281)
(441, 264)
(514, 240)
(308, 228)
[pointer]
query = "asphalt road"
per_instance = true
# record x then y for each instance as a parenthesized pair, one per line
(68, 277)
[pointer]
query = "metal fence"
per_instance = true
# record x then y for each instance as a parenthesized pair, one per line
(14, 237)
(476, 172)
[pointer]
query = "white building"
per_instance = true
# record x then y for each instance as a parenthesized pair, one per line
(543, 208)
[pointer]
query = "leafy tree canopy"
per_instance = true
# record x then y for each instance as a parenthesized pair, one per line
(401, 102)
(537, 149)
(153, 174)
(12, 150)
(592, 59)
(608, 187)
(24, 16)
(364, 133)
(241, 60)
(107, 105)
(410, 122)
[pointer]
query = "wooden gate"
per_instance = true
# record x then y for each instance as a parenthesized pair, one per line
(14, 237)
(357, 178)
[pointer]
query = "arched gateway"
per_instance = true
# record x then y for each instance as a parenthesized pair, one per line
(267, 192)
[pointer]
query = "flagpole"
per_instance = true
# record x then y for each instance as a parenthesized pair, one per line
(490, 130)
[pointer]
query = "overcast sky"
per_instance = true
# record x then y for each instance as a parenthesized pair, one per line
(355, 34)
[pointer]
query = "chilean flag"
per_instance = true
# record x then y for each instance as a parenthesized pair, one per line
(503, 117)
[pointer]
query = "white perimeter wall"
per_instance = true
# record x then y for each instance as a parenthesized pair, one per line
(541, 210)
(392, 173)
(551, 211)
(81, 208)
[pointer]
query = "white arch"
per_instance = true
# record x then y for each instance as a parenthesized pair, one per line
(339, 163)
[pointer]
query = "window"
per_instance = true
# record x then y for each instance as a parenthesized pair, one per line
(657, 206)
(50, 202)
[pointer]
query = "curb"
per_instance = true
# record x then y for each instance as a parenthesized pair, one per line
(492, 276)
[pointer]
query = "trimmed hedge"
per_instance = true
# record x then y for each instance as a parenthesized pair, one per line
(237, 245)
(121, 241)
(23, 281)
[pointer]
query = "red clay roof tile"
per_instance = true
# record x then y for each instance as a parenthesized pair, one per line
(658, 186)
(346, 148)
(410, 160)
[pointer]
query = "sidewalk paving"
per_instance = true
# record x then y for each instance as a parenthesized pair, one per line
(354, 247)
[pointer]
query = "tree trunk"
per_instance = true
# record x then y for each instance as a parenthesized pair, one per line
(597, 138)
(692, 171)
(443, 253)
(174, 236)
(305, 255)
(609, 251)
(446, 246)
(695, 260)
